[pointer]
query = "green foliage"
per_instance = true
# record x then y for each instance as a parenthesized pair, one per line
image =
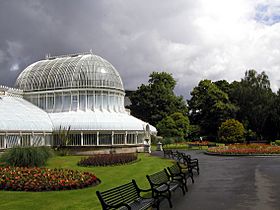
(175, 125)
(27, 156)
(176, 146)
(167, 140)
(85, 198)
(231, 131)
(64, 139)
(250, 135)
(156, 100)
(277, 142)
(255, 100)
(194, 132)
(156, 139)
(209, 107)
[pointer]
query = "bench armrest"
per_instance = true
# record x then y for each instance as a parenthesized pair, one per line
(145, 190)
(119, 205)
(161, 191)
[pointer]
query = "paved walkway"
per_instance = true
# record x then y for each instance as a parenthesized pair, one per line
(231, 183)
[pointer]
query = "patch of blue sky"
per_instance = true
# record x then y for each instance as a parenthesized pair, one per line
(267, 14)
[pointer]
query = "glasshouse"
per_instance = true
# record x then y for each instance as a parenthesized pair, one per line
(82, 94)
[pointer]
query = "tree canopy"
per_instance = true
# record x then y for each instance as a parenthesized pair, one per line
(175, 125)
(251, 101)
(209, 107)
(154, 101)
(255, 99)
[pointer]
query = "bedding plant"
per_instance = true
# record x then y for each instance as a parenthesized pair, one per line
(44, 179)
(245, 149)
(108, 159)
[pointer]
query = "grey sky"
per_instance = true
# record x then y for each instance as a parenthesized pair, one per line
(193, 40)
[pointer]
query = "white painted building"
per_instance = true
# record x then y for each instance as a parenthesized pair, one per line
(81, 91)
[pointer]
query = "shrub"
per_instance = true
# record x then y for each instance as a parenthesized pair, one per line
(44, 179)
(26, 156)
(167, 140)
(231, 131)
(277, 142)
(108, 159)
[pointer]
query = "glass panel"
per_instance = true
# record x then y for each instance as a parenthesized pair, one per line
(25, 141)
(66, 102)
(12, 140)
(82, 101)
(38, 140)
(74, 106)
(90, 102)
(105, 100)
(90, 139)
(50, 102)
(140, 138)
(58, 102)
(105, 139)
(119, 138)
(98, 100)
(130, 138)
(75, 140)
(2, 142)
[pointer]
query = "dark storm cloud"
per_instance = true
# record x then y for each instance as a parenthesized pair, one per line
(125, 33)
(193, 40)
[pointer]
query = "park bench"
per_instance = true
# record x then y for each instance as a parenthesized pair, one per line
(178, 155)
(187, 171)
(191, 163)
(168, 153)
(177, 174)
(162, 185)
(123, 197)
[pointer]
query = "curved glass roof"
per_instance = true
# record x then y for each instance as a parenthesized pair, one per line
(17, 114)
(75, 71)
(97, 120)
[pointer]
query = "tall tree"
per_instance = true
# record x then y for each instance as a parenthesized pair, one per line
(175, 125)
(156, 100)
(209, 107)
(255, 98)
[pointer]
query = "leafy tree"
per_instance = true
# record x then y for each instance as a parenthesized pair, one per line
(156, 100)
(194, 132)
(209, 107)
(255, 99)
(271, 128)
(175, 125)
(223, 85)
(231, 131)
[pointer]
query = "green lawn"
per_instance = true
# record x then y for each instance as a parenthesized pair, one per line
(84, 198)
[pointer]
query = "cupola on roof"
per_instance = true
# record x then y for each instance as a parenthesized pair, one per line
(69, 72)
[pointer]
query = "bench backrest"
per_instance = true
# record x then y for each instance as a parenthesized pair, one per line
(126, 193)
(168, 151)
(174, 169)
(158, 178)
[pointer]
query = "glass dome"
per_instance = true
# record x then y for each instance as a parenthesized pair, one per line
(69, 72)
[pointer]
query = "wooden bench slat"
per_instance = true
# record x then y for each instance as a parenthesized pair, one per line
(124, 197)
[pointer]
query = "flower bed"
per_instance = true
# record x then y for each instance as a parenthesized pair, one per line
(245, 149)
(44, 179)
(108, 159)
(201, 143)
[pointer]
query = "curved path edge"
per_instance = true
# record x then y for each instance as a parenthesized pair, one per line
(242, 155)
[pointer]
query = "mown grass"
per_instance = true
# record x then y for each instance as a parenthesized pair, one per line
(85, 198)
